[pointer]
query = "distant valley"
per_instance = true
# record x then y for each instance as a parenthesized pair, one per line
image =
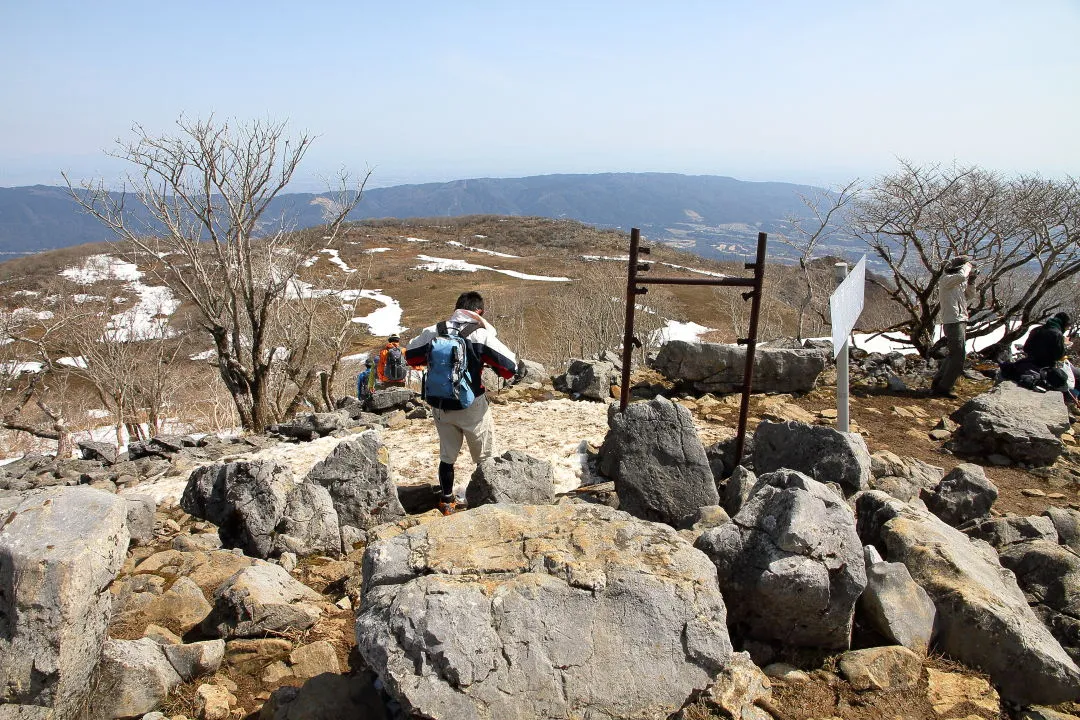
(712, 216)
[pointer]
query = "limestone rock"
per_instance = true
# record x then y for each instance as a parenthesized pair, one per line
(1049, 574)
(896, 607)
(213, 702)
(309, 524)
(902, 477)
(195, 659)
(513, 477)
(508, 607)
(823, 453)
(60, 549)
(259, 600)
(134, 677)
(653, 453)
(313, 659)
(1004, 531)
(881, 668)
(1023, 426)
(327, 697)
(246, 500)
(983, 618)
(963, 495)
(716, 368)
(1067, 524)
(357, 475)
(790, 563)
(588, 379)
(140, 518)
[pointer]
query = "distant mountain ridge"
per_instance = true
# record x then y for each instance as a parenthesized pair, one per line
(708, 214)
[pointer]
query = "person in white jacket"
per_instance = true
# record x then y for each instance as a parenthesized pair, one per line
(955, 290)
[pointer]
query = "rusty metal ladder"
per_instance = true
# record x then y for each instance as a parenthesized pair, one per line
(633, 289)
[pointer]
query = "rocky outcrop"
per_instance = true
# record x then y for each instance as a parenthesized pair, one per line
(1067, 525)
(309, 523)
(1022, 425)
(1049, 574)
(1004, 531)
(588, 379)
(246, 500)
(653, 453)
(711, 367)
(134, 678)
(894, 605)
(259, 600)
(558, 611)
(512, 477)
(59, 550)
(357, 475)
(790, 563)
(823, 453)
(984, 620)
(965, 494)
(902, 477)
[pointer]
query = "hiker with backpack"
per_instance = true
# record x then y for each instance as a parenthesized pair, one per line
(392, 370)
(365, 381)
(455, 353)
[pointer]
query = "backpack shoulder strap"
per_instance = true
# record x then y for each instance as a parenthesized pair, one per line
(468, 329)
(440, 329)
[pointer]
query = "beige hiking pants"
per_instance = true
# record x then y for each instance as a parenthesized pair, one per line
(474, 424)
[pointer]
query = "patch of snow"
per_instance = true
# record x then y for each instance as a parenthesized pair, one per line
(482, 237)
(372, 251)
(24, 314)
(385, 320)
(412, 239)
(435, 264)
(335, 258)
(98, 413)
(675, 330)
(618, 258)
(357, 358)
(204, 355)
(147, 319)
(81, 298)
(480, 250)
(75, 362)
(102, 267)
(26, 293)
(18, 368)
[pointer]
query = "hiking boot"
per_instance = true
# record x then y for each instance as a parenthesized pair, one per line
(447, 507)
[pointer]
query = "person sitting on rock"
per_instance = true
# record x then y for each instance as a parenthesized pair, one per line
(1044, 350)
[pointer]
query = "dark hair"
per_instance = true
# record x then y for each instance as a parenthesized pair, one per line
(1066, 321)
(393, 338)
(471, 300)
(369, 363)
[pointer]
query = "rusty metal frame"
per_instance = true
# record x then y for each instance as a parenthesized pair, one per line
(754, 295)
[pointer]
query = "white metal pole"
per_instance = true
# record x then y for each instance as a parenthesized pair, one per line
(842, 421)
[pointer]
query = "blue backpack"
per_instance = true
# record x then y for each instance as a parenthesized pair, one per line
(447, 376)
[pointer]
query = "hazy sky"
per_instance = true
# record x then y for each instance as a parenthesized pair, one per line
(792, 90)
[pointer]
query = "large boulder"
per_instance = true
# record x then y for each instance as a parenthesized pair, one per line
(653, 453)
(902, 477)
(59, 550)
(790, 563)
(983, 618)
(824, 453)
(716, 368)
(309, 524)
(315, 425)
(589, 379)
(895, 606)
(134, 678)
(965, 494)
(1008, 420)
(1067, 525)
(259, 600)
(357, 475)
(390, 399)
(512, 477)
(1004, 531)
(246, 500)
(512, 611)
(1050, 576)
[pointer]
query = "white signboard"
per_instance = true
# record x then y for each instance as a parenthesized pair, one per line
(846, 304)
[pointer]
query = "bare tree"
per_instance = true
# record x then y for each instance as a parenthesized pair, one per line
(207, 190)
(826, 210)
(23, 381)
(1023, 234)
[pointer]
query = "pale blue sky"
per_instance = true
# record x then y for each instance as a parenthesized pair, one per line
(792, 90)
